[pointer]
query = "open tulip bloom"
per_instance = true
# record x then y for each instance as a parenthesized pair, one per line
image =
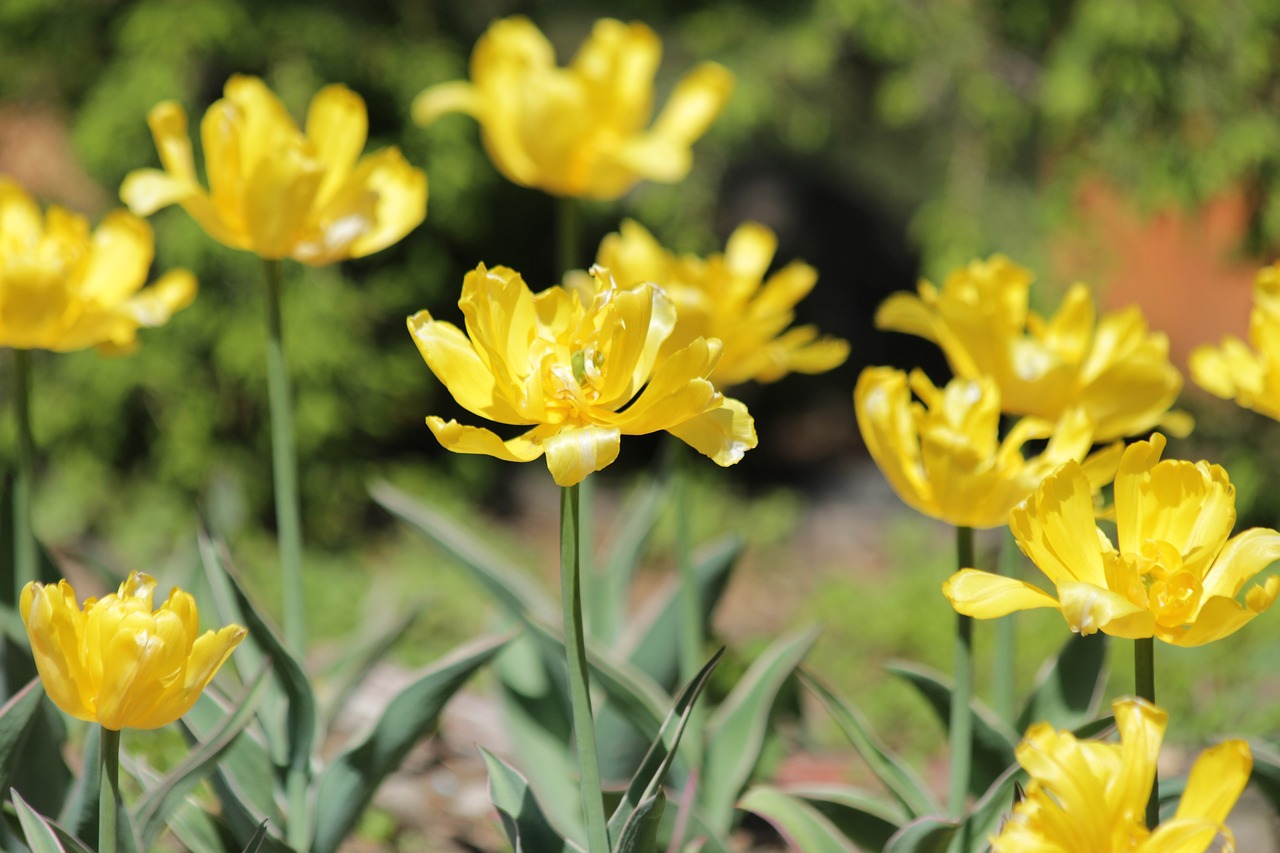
(277, 191)
(1173, 574)
(943, 455)
(1116, 370)
(1089, 797)
(579, 131)
(116, 661)
(1234, 371)
(727, 296)
(64, 287)
(581, 373)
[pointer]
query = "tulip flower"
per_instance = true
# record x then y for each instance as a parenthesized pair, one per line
(63, 287)
(942, 454)
(1116, 370)
(1092, 796)
(1233, 371)
(277, 191)
(116, 661)
(1173, 573)
(581, 373)
(579, 131)
(727, 296)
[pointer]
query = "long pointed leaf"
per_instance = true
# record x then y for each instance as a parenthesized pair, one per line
(349, 782)
(865, 819)
(17, 718)
(736, 730)
(895, 774)
(153, 809)
(640, 833)
(506, 583)
(804, 827)
(80, 812)
(39, 835)
(993, 740)
(245, 768)
(653, 769)
(527, 828)
(924, 835)
(1070, 686)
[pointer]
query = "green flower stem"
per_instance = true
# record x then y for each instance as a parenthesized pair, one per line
(109, 791)
(1003, 689)
(24, 546)
(284, 465)
(692, 641)
(1144, 684)
(568, 235)
(575, 652)
(961, 714)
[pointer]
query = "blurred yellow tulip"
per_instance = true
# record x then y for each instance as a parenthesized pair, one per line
(727, 296)
(1090, 796)
(1114, 369)
(276, 191)
(579, 131)
(942, 455)
(118, 663)
(1233, 371)
(1173, 573)
(582, 373)
(64, 288)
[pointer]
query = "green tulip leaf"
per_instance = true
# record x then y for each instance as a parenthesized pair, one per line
(923, 835)
(17, 719)
(349, 782)
(735, 733)
(652, 773)
(38, 832)
(865, 819)
(894, 773)
(803, 826)
(526, 826)
(640, 832)
(993, 740)
(1069, 689)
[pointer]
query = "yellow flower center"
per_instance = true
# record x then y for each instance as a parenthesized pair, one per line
(1155, 579)
(573, 378)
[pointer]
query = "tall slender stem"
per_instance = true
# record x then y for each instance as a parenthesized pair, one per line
(24, 546)
(568, 235)
(109, 790)
(575, 650)
(1144, 684)
(284, 466)
(692, 641)
(961, 715)
(1003, 688)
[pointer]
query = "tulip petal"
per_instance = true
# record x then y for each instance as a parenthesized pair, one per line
(983, 595)
(337, 126)
(1220, 616)
(750, 251)
(1056, 529)
(1089, 608)
(575, 452)
(121, 256)
(1244, 556)
(675, 391)
(724, 434)
(55, 644)
(468, 439)
(452, 358)
(696, 101)
(452, 97)
(400, 191)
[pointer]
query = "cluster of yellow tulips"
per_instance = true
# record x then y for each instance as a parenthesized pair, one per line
(647, 341)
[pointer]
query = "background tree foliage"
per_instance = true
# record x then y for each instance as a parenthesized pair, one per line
(879, 137)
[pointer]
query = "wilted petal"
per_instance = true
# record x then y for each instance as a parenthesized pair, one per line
(724, 434)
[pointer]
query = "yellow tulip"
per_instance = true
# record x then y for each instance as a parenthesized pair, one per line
(579, 131)
(727, 296)
(1090, 796)
(64, 288)
(1173, 573)
(582, 373)
(1116, 370)
(943, 457)
(276, 191)
(118, 663)
(1234, 371)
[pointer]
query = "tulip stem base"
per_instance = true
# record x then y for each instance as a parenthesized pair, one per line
(109, 791)
(576, 657)
(284, 467)
(961, 743)
(24, 545)
(1144, 684)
